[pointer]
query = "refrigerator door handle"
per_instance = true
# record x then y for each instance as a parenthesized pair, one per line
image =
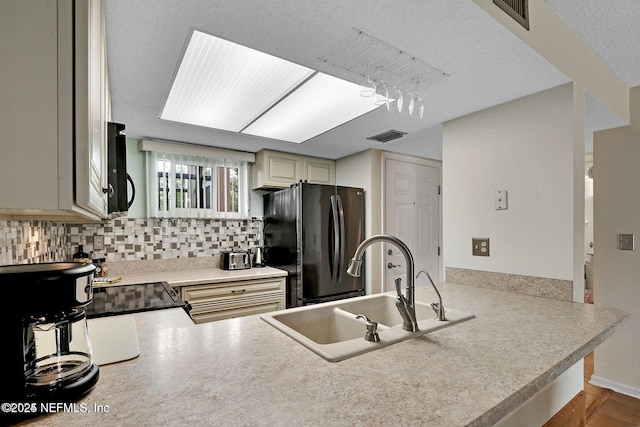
(341, 243)
(335, 267)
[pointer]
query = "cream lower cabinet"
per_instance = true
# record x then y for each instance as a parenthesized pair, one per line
(234, 299)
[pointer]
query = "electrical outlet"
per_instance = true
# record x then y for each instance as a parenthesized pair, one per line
(98, 243)
(480, 246)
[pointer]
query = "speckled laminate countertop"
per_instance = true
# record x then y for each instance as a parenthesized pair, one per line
(197, 276)
(244, 372)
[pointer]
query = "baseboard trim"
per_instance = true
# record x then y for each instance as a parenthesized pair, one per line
(615, 386)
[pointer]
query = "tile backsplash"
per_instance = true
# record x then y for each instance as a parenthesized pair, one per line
(23, 242)
(124, 239)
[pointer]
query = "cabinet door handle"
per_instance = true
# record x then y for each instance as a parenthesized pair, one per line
(238, 291)
(109, 191)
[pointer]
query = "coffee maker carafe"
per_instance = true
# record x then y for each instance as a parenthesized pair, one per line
(56, 351)
(47, 346)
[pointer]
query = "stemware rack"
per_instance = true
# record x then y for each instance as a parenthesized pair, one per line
(362, 55)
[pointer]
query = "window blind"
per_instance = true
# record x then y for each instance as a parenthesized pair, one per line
(189, 186)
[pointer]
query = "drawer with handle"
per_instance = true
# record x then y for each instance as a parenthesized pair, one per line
(227, 309)
(199, 294)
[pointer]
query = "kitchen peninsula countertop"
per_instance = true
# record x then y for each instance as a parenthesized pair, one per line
(244, 372)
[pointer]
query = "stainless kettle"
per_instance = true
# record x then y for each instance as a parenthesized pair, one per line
(257, 255)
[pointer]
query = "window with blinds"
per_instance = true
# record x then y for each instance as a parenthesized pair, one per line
(186, 186)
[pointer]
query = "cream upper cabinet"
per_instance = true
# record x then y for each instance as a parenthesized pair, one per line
(91, 106)
(319, 171)
(274, 169)
(53, 110)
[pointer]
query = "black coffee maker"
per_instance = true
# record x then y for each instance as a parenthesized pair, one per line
(46, 346)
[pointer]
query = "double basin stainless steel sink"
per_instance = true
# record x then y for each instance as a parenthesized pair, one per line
(332, 330)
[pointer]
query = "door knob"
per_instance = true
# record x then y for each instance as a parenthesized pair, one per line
(391, 265)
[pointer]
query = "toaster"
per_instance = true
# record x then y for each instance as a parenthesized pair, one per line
(235, 259)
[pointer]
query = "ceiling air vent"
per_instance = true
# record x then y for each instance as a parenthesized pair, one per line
(387, 136)
(517, 9)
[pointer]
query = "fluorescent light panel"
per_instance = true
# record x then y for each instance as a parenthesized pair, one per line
(223, 85)
(317, 106)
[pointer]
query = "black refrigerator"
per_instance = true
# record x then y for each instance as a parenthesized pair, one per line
(312, 231)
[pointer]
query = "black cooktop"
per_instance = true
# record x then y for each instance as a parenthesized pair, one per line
(123, 299)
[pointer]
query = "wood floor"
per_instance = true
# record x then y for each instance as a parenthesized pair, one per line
(606, 408)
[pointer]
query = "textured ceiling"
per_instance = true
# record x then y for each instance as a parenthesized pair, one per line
(611, 29)
(486, 64)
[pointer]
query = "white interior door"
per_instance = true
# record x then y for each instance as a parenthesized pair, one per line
(412, 209)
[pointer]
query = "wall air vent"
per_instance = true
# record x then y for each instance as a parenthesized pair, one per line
(517, 9)
(387, 136)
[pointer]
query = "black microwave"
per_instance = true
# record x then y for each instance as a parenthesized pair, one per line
(118, 202)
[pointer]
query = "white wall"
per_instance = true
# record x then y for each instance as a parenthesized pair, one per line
(526, 147)
(426, 143)
(362, 170)
(616, 158)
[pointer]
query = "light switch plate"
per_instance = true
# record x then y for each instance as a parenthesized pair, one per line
(500, 200)
(480, 246)
(626, 242)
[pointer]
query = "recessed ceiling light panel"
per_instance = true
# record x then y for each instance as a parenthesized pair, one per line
(224, 85)
(320, 104)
